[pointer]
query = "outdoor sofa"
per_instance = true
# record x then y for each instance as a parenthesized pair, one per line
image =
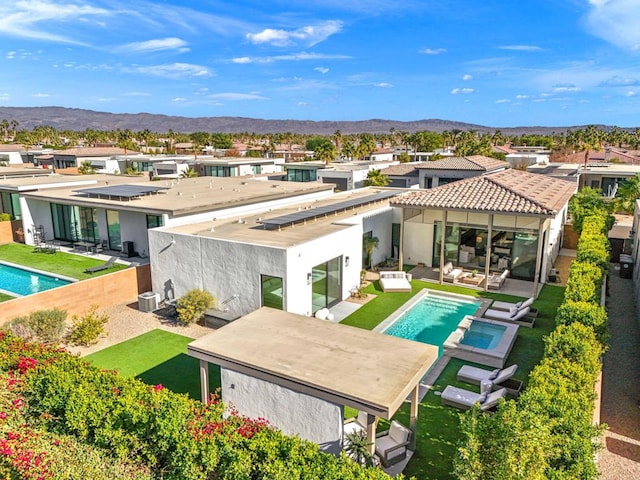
(394, 282)
(450, 274)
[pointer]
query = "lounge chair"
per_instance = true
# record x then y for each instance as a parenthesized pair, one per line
(496, 281)
(513, 315)
(450, 274)
(465, 399)
(507, 306)
(476, 375)
(394, 282)
(358, 424)
(108, 264)
(391, 445)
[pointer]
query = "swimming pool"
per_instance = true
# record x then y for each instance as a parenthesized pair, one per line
(483, 335)
(19, 281)
(430, 317)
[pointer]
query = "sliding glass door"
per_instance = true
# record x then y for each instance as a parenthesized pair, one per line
(73, 224)
(326, 284)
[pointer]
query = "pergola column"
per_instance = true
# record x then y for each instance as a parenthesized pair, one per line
(443, 238)
(371, 433)
(541, 249)
(204, 381)
(487, 253)
(413, 421)
(401, 247)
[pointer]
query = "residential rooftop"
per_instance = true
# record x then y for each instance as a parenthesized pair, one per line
(472, 162)
(187, 196)
(509, 191)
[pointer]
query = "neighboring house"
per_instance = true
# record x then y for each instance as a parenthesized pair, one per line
(506, 220)
(238, 166)
(451, 169)
(606, 176)
(381, 155)
(303, 171)
(11, 154)
(403, 175)
(523, 156)
(104, 159)
(119, 210)
(349, 175)
(301, 257)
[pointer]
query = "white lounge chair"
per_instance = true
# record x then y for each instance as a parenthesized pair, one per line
(391, 445)
(394, 282)
(496, 281)
(507, 306)
(513, 315)
(476, 375)
(465, 399)
(450, 274)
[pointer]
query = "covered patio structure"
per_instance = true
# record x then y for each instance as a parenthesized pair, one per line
(299, 372)
(509, 223)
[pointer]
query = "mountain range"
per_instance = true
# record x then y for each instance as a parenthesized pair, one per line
(76, 119)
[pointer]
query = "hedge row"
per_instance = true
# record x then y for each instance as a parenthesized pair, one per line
(147, 430)
(548, 432)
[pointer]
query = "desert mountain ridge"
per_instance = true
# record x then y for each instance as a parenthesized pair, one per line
(62, 118)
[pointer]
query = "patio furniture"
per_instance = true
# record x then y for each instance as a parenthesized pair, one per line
(357, 424)
(466, 399)
(508, 306)
(496, 281)
(471, 279)
(514, 315)
(450, 274)
(394, 282)
(391, 445)
(476, 376)
(106, 265)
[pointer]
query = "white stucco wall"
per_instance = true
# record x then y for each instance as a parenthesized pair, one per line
(379, 222)
(418, 243)
(35, 212)
(292, 412)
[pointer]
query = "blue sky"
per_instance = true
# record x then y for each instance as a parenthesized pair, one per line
(498, 63)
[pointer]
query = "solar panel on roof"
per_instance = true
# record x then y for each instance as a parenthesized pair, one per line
(298, 217)
(121, 191)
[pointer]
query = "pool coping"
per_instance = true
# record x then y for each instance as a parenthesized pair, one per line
(391, 319)
(33, 270)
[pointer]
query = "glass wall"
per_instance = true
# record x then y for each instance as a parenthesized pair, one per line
(10, 203)
(72, 223)
(271, 288)
(113, 226)
(326, 284)
(301, 175)
(220, 171)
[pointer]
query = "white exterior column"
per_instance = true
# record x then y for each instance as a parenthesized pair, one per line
(371, 433)
(204, 381)
(413, 422)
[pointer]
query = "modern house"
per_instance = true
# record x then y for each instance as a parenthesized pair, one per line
(507, 220)
(451, 169)
(403, 175)
(606, 176)
(102, 158)
(303, 256)
(238, 166)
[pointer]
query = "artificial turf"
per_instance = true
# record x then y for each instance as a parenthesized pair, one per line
(157, 357)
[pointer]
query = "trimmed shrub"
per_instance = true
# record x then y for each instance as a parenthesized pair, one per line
(88, 327)
(46, 326)
(584, 283)
(5, 217)
(192, 305)
(585, 313)
(593, 249)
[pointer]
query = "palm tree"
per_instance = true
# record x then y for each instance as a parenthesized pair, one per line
(370, 244)
(627, 194)
(375, 178)
(189, 173)
(325, 152)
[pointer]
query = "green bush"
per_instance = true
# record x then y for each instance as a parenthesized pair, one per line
(88, 327)
(593, 249)
(5, 217)
(577, 343)
(46, 326)
(584, 283)
(192, 305)
(585, 313)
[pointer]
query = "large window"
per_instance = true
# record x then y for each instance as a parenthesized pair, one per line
(326, 284)
(154, 221)
(10, 203)
(271, 288)
(220, 171)
(113, 226)
(72, 223)
(301, 175)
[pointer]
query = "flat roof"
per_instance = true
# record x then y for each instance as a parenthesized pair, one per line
(345, 365)
(250, 228)
(190, 195)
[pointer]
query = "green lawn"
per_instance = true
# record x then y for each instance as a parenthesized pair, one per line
(438, 426)
(157, 357)
(60, 263)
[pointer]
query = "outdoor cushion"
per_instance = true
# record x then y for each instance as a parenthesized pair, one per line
(398, 433)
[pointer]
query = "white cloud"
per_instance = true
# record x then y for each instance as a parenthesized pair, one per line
(630, 93)
(322, 70)
(40, 95)
(565, 88)
(309, 35)
(383, 85)
(136, 94)
(433, 51)
(294, 57)
(521, 48)
(237, 96)
(4, 96)
(173, 70)
(179, 99)
(464, 91)
(22, 18)
(171, 43)
(619, 81)
(11, 55)
(522, 97)
(467, 77)
(615, 21)
(502, 100)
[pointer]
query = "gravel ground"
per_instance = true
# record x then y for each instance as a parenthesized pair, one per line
(620, 409)
(126, 321)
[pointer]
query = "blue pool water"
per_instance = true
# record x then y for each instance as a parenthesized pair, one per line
(23, 282)
(483, 335)
(432, 319)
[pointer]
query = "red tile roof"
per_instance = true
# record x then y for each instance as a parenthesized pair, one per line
(404, 169)
(510, 191)
(478, 163)
(94, 151)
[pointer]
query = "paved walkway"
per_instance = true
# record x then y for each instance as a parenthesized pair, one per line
(620, 410)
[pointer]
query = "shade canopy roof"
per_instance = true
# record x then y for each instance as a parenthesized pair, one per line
(345, 365)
